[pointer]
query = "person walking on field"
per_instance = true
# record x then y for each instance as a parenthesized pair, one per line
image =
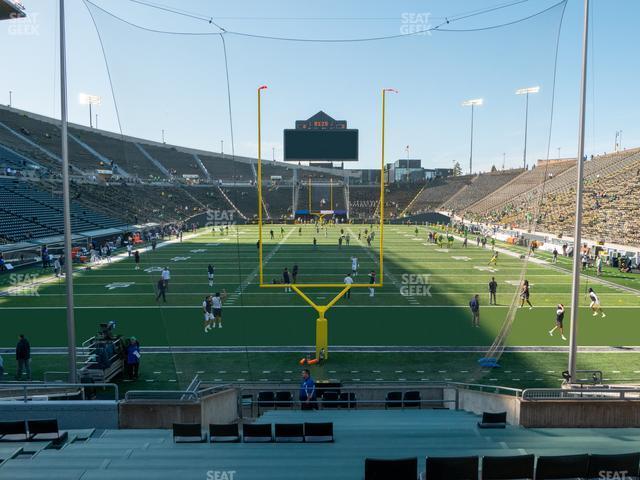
(161, 291)
(474, 305)
(493, 288)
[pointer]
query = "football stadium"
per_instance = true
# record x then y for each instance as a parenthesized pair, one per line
(392, 240)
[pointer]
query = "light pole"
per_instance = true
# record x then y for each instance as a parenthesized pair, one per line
(86, 99)
(384, 96)
(526, 92)
(163, 136)
(559, 157)
(66, 202)
(222, 148)
(10, 99)
(260, 88)
(472, 103)
(577, 239)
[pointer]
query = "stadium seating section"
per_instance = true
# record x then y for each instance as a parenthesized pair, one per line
(435, 443)
(30, 212)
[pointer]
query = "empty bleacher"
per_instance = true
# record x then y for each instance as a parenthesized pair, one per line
(359, 434)
(30, 212)
(438, 191)
(481, 186)
(177, 162)
(521, 184)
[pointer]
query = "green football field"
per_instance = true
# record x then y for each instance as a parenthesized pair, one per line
(416, 327)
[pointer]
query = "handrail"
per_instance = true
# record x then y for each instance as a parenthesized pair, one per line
(161, 395)
(26, 387)
(623, 393)
(180, 395)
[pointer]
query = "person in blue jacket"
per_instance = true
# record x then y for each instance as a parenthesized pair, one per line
(308, 391)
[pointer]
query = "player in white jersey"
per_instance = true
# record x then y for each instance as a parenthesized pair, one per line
(354, 266)
(216, 302)
(595, 303)
(207, 309)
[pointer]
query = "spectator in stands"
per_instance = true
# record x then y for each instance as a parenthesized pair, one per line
(23, 357)
(308, 391)
(2, 266)
(133, 358)
(474, 304)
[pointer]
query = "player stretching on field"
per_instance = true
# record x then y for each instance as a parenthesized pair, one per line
(494, 258)
(524, 294)
(559, 319)
(216, 303)
(595, 303)
(210, 273)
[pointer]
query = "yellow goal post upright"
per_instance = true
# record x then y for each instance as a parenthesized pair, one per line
(322, 328)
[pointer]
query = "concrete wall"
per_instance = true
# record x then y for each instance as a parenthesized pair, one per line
(72, 414)
(479, 402)
(157, 414)
(220, 407)
(576, 414)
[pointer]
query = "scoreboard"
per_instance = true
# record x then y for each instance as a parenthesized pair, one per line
(340, 145)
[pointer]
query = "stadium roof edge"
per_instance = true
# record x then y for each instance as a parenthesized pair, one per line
(10, 9)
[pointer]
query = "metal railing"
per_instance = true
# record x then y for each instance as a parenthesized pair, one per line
(536, 394)
(186, 396)
(26, 392)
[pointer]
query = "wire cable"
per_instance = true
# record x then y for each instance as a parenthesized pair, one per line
(338, 40)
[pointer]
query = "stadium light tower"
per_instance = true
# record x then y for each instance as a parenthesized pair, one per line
(384, 97)
(526, 92)
(259, 179)
(476, 102)
(87, 99)
(66, 202)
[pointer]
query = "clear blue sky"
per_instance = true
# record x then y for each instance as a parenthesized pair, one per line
(177, 83)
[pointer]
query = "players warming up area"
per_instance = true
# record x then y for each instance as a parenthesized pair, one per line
(417, 327)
